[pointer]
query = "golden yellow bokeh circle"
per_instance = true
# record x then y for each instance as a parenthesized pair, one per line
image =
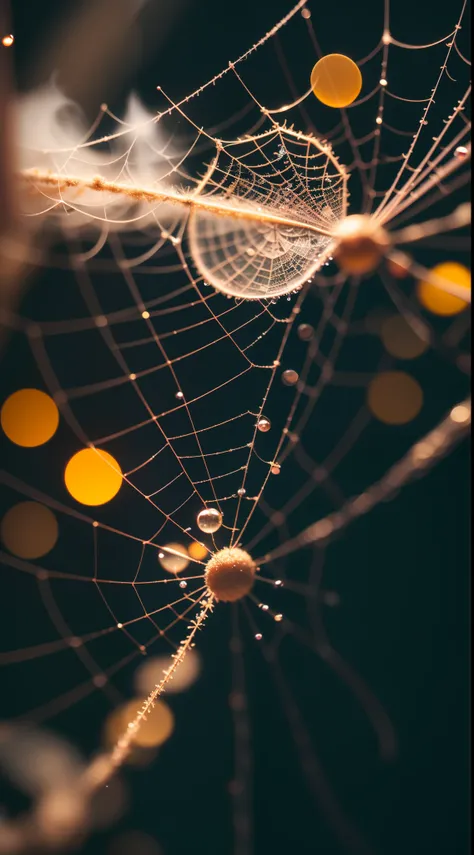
(153, 731)
(197, 551)
(29, 417)
(336, 80)
(93, 476)
(438, 301)
(394, 397)
(29, 530)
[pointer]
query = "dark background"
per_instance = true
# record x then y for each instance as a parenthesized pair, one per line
(401, 572)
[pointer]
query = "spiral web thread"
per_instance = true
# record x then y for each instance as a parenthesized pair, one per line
(258, 219)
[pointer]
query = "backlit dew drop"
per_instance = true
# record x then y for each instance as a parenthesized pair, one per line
(173, 558)
(258, 636)
(461, 152)
(383, 82)
(8, 40)
(197, 551)
(394, 397)
(179, 396)
(305, 332)
(209, 520)
(183, 584)
(275, 469)
(241, 492)
(278, 618)
(438, 301)
(29, 417)
(378, 120)
(93, 476)
(336, 80)
(290, 377)
(278, 583)
(264, 424)
(29, 530)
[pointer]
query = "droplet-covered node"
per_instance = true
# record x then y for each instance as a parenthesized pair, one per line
(230, 574)
(361, 245)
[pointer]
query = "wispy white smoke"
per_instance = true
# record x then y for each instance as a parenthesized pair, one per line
(52, 135)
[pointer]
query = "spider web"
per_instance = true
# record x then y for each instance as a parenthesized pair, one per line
(178, 252)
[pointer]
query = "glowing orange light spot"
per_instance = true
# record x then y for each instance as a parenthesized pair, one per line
(93, 476)
(197, 551)
(394, 397)
(29, 530)
(29, 417)
(438, 301)
(336, 80)
(8, 40)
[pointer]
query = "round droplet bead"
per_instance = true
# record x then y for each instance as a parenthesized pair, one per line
(275, 469)
(290, 377)
(241, 492)
(264, 424)
(305, 332)
(209, 520)
(461, 152)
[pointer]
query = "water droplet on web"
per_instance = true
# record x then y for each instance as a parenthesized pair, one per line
(209, 520)
(275, 469)
(264, 424)
(183, 584)
(290, 377)
(241, 492)
(305, 332)
(278, 618)
(461, 152)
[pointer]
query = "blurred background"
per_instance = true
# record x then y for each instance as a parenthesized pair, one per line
(398, 603)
